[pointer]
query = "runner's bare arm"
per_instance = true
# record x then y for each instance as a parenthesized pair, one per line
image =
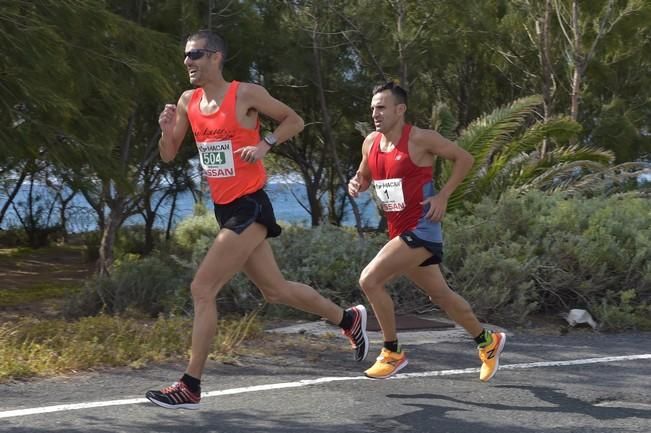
(434, 144)
(362, 179)
(174, 124)
(258, 98)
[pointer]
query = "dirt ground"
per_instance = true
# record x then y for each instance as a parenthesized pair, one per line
(46, 267)
(52, 266)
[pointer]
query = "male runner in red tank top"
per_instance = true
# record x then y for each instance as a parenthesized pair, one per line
(398, 160)
(223, 117)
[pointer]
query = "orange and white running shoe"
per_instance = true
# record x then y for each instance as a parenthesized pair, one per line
(490, 356)
(387, 364)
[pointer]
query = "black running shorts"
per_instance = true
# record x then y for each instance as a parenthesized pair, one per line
(436, 248)
(246, 210)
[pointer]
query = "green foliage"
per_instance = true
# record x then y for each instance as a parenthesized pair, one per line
(95, 119)
(623, 310)
(148, 285)
(92, 50)
(12, 238)
(91, 242)
(199, 228)
(549, 254)
(327, 258)
(129, 240)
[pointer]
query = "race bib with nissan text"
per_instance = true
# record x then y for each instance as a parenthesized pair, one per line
(217, 158)
(389, 193)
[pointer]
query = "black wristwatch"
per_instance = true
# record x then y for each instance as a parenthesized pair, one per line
(270, 139)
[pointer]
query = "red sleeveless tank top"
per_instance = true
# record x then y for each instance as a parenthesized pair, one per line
(399, 183)
(218, 136)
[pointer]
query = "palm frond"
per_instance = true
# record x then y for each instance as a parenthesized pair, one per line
(615, 179)
(521, 152)
(559, 129)
(486, 135)
(568, 154)
(560, 175)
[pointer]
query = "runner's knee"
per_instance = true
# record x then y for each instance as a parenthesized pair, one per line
(369, 282)
(202, 292)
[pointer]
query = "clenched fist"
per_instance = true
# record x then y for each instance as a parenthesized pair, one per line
(167, 119)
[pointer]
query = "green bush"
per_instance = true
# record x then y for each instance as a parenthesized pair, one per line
(624, 311)
(92, 241)
(199, 228)
(129, 240)
(548, 253)
(328, 258)
(12, 237)
(150, 285)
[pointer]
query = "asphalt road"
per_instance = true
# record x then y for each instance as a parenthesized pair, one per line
(578, 383)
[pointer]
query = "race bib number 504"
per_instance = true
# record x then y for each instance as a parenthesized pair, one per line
(217, 158)
(389, 193)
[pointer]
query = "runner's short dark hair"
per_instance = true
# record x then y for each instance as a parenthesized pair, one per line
(398, 92)
(213, 41)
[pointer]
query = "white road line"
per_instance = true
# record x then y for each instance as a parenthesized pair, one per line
(321, 380)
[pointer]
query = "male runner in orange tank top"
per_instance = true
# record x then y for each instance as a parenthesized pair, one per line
(398, 160)
(223, 117)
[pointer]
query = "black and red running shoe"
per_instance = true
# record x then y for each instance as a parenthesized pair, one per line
(177, 396)
(357, 332)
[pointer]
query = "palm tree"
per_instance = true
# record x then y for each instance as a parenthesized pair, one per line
(505, 145)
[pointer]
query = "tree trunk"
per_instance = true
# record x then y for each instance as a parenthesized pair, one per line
(327, 128)
(544, 56)
(316, 208)
(579, 62)
(149, 234)
(576, 94)
(63, 219)
(400, 10)
(115, 198)
(170, 219)
(111, 226)
(14, 192)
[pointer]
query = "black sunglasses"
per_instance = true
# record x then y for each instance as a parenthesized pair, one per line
(198, 53)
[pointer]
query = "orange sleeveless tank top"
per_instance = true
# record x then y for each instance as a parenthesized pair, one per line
(218, 136)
